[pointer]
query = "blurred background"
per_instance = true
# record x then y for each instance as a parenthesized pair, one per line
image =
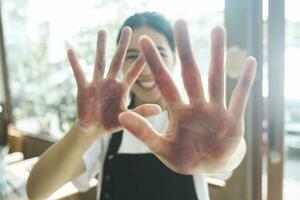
(37, 88)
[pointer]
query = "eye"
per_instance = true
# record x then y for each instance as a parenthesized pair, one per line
(131, 57)
(163, 54)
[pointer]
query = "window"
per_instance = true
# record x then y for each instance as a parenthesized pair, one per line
(291, 180)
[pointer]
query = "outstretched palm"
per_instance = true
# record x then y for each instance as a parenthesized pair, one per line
(202, 136)
(102, 100)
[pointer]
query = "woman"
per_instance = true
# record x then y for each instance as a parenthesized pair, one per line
(186, 139)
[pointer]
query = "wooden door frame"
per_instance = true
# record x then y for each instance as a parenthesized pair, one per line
(276, 49)
(243, 21)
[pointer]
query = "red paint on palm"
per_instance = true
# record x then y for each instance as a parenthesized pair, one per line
(112, 103)
(203, 135)
(100, 101)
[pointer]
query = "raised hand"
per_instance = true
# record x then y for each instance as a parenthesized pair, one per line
(203, 135)
(100, 101)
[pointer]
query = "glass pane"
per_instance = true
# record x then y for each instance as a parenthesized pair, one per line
(39, 32)
(265, 92)
(292, 102)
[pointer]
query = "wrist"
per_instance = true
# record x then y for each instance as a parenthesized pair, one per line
(93, 131)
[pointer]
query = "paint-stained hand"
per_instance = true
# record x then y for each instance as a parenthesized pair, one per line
(100, 101)
(202, 135)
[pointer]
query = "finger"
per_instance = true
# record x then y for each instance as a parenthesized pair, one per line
(216, 74)
(141, 128)
(189, 69)
(78, 73)
(135, 70)
(147, 110)
(241, 92)
(100, 57)
(119, 55)
(161, 74)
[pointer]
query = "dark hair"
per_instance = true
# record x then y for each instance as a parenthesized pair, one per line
(154, 20)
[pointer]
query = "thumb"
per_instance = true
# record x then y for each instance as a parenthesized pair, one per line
(147, 110)
(141, 128)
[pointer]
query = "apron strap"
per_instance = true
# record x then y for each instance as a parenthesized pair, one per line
(114, 143)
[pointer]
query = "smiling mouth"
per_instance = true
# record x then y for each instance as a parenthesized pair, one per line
(147, 85)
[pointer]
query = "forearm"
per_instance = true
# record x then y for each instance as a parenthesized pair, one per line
(59, 164)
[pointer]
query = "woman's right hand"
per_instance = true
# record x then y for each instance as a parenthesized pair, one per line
(100, 101)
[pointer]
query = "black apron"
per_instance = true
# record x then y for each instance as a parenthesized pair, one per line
(141, 177)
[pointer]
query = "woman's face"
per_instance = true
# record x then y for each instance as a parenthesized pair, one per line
(145, 88)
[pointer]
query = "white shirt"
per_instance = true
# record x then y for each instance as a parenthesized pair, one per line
(95, 155)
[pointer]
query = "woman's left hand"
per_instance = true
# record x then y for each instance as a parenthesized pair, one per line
(203, 135)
